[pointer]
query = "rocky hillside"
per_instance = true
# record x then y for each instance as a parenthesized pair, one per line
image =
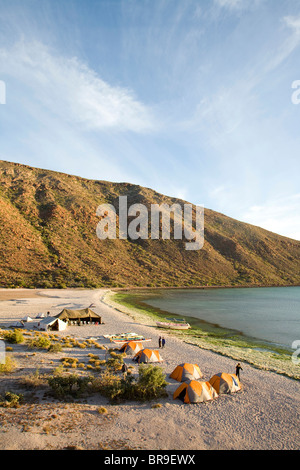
(48, 239)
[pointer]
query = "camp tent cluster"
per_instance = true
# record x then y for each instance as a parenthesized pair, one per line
(61, 321)
(192, 390)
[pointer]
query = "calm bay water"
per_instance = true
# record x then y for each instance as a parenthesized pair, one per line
(270, 314)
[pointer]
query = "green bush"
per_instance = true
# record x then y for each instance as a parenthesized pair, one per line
(14, 337)
(68, 385)
(39, 342)
(9, 366)
(11, 400)
(151, 382)
(55, 347)
(150, 385)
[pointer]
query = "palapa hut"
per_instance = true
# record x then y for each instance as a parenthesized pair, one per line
(79, 316)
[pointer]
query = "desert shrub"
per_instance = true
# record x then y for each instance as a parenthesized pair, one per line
(69, 362)
(9, 366)
(149, 385)
(14, 337)
(115, 362)
(106, 384)
(11, 400)
(93, 356)
(39, 342)
(55, 347)
(151, 380)
(102, 410)
(58, 370)
(68, 385)
(35, 380)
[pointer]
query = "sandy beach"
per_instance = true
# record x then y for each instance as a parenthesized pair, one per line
(263, 415)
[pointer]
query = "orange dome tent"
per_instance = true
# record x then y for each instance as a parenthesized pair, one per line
(195, 392)
(131, 347)
(147, 355)
(185, 372)
(225, 383)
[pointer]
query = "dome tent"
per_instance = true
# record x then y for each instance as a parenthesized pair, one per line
(186, 371)
(27, 319)
(195, 392)
(131, 347)
(225, 383)
(147, 356)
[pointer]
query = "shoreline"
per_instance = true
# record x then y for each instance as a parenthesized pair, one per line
(242, 286)
(257, 353)
(262, 416)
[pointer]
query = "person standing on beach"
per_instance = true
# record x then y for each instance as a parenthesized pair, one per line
(237, 370)
(159, 342)
(124, 370)
(163, 342)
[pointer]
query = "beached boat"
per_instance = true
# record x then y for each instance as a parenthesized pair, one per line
(123, 337)
(173, 325)
(137, 340)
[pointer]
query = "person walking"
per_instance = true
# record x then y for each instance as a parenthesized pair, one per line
(163, 342)
(237, 370)
(159, 342)
(124, 370)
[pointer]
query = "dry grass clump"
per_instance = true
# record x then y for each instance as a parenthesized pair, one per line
(11, 400)
(55, 347)
(102, 410)
(70, 362)
(39, 341)
(14, 337)
(34, 380)
(93, 343)
(94, 356)
(9, 366)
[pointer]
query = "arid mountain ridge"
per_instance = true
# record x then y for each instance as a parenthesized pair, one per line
(48, 239)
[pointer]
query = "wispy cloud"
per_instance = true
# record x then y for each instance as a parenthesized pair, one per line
(293, 22)
(230, 3)
(237, 4)
(72, 91)
(278, 215)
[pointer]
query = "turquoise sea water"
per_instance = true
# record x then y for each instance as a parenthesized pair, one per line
(271, 314)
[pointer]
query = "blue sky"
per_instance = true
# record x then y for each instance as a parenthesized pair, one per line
(189, 97)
